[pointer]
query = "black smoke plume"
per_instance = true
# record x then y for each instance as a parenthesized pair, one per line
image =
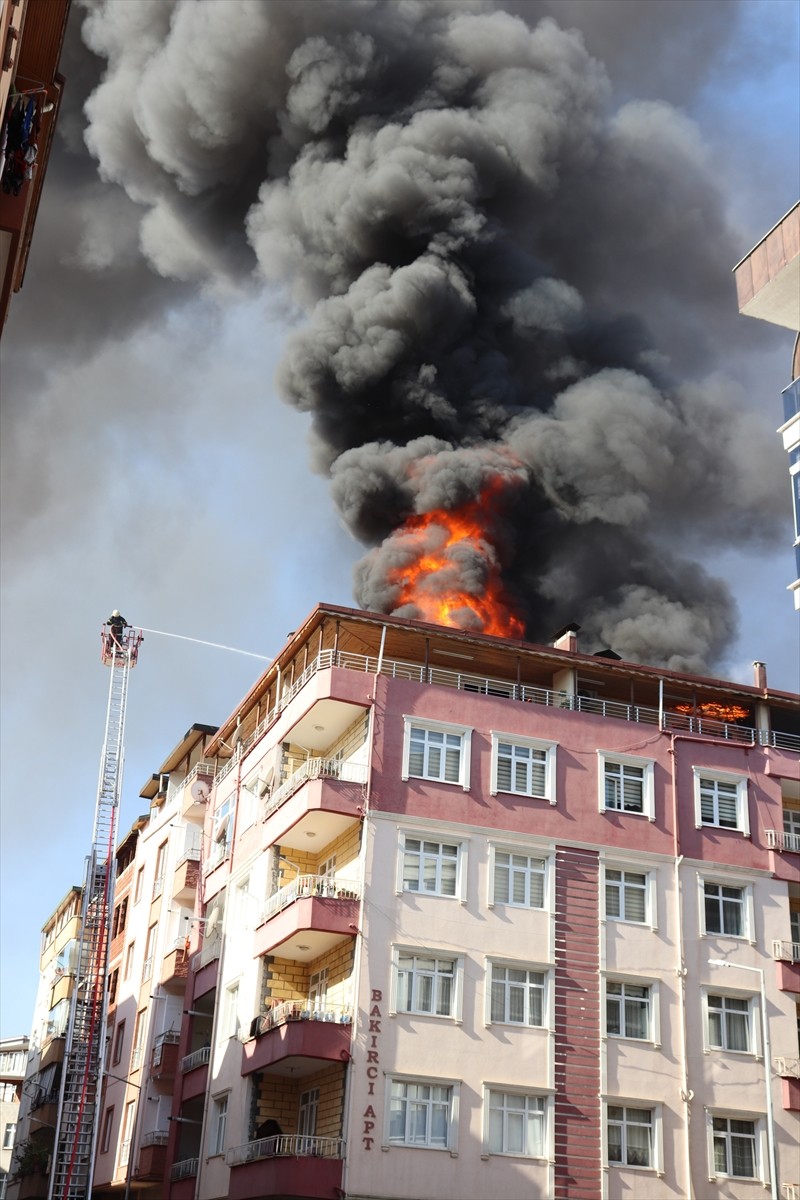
(506, 273)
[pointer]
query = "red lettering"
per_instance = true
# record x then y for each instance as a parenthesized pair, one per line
(375, 1011)
(367, 1142)
(377, 994)
(374, 1026)
(372, 1072)
(369, 1111)
(372, 1056)
(371, 1089)
(368, 1125)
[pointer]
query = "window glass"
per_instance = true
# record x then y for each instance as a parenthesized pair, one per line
(734, 1147)
(430, 867)
(630, 1136)
(626, 895)
(517, 996)
(419, 1114)
(425, 985)
(724, 909)
(624, 787)
(516, 1124)
(627, 1010)
(518, 880)
(434, 754)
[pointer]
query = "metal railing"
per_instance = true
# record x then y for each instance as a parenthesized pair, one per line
(147, 968)
(170, 1037)
(300, 1010)
(124, 1152)
(191, 855)
(136, 1058)
(778, 840)
(200, 768)
(296, 1145)
(321, 887)
(198, 1058)
(786, 951)
(791, 1191)
(787, 1067)
(185, 1169)
(315, 768)
(158, 886)
(485, 685)
(157, 1137)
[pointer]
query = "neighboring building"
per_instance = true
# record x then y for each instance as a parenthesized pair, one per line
(483, 918)
(40, 1092)
(13, 1061)
(768, 287)
(157, 866)
(31, 36)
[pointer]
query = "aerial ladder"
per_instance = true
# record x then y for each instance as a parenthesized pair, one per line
(80, 1094)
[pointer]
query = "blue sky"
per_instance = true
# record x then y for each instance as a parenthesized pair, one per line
(197, 513)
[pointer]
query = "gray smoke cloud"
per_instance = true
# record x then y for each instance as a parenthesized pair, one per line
(506, 277)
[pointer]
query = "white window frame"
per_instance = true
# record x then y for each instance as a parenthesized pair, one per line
(230, 1023)
(752, 1018)
(748, 913)
(105, 1133)
(544, 1097)
(549, 750)
(8, 1134)
(650, 893)
(656, 1166)
(435, 838)
(653, 1009)
(127, 970)
(532, 969)
(222, 830)
(420, 952)
(218, 1125)
(532, 855)
(742, 807)
(609, 758)
(452, 1117)
(461, 731)
(761, 1174)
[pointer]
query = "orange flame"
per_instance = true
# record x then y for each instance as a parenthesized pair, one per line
(432, 580)
(711, 708)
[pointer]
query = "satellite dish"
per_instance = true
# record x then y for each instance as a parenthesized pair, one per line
(200, 791)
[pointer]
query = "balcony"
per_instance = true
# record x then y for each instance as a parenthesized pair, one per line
(195, 789)
(308, 917)
(777, 839)
(194, 1068)
(185, 1169)
(300, 1032)
(164, 1058)
(175, 968)
(787, 956)
(286, 1165)
(187, 873)
(786, 951)
(323, 797)
(52, 1050)
(152, 1156)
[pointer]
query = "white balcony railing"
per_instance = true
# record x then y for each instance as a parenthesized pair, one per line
(136, 1058)
(300, 1010)
(190, 855)
(198, 1058)
(791, 1191)
(158, 886)
(786, 951)
(787, 1067)
(778, 840)
(156, 1137)
(147, 969)
(124, 1152)
(304, 886)
(185, 1169)
(201, 768)
(283, 1146)
(315, 768)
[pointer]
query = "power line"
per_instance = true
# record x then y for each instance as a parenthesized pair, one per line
(217, 645)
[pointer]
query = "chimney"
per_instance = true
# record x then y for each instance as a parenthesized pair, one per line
(567, 638)
(760, 676)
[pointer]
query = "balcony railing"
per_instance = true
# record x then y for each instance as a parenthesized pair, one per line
(147, 969)
(787, 1067)
(198, 1058)
(185, 1169)
(777, 839)
(158, 887)
(304, 886)
(170, 1038)
(299, 1010)
(285, 1146)
(136, 1058)
(157, 1137)
(124, 1152)
(190, 855)
(201, 768)
(485, 685)
(786, 951)
(791, 1191)
(315, 768)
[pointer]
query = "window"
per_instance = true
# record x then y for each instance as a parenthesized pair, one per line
(119, 1038)
(518, 880)
(430, 867)
(791, 822)
(517, 1124)
(127, 1133)
(105, 1136)
(426, 984)
(728, 1022)
(420, 1114)
(149, 952)
(720, 800)
(626, 784)
(8, 1134)
(629, 1133)
(113, 980)
(318, 989)
(628, 1010)
(161, 863)
(433, 750)
(724, 909)
(120, 917)
(219, 1120)
(307, 1109)
(221, 834)
(129, 952)
(626, 895)
(734, 1147)
(230, 1012)
(517, 996)
(138, 1038)
(523, 767)
(137, 894)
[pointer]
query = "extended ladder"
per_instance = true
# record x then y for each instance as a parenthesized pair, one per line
(78, 1110)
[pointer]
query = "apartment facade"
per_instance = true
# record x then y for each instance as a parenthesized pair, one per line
(13, 1064)
(38, 1109)
(476, 917)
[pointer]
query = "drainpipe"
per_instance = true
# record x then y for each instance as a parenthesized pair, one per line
(686, 1093)
(379, 667)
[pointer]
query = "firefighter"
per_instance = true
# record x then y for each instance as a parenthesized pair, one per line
(116, 630)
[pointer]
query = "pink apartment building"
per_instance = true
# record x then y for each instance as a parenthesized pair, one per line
(480, 918)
